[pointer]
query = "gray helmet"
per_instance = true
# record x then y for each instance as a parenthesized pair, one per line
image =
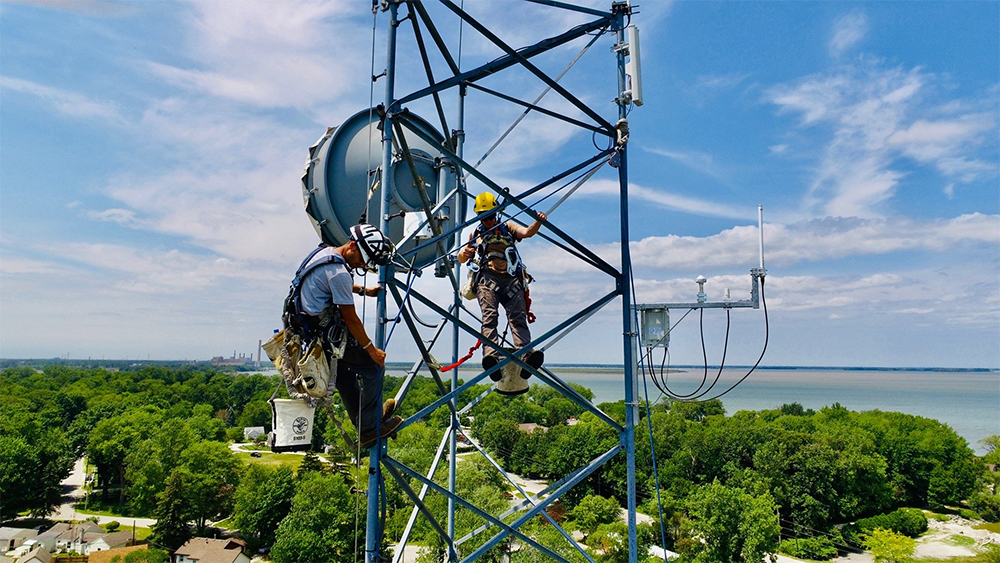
(376, 250)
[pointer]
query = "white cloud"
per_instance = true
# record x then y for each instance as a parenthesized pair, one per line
(663, 199)
(847, 295)
(272, 54)
(144, 270)
(848, 31)
(16, 265)
(64, 101)
(115, 215)
(944, 144)
(876, 115)
(698, 161)
(252, 215)
(788, 245)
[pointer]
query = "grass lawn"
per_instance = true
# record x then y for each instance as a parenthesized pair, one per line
(254, 447)
(991, 526)
(989, 555)
(98, 508)
(272, 459)
(935, 516)
(964, 541)
(140, 533)
(227, 524)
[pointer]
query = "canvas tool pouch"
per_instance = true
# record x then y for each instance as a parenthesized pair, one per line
(309, 373)
(283, 350)
(469, 287)
(313, 377)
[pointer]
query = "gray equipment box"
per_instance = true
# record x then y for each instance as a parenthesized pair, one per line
(655, 323)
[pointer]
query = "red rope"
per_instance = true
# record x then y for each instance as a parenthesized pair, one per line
(467, 356)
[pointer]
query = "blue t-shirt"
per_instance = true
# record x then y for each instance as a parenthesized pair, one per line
(327, 285)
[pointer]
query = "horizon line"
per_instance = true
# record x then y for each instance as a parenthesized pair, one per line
(554, 365)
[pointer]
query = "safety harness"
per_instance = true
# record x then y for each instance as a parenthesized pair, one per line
(498, 243)
(305, 325)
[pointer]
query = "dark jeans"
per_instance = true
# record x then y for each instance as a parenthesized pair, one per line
(494, 290)
(359, 399)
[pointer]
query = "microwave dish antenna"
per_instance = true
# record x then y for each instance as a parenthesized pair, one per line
(343, 175)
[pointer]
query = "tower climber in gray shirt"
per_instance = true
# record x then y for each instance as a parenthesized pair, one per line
(326, 306)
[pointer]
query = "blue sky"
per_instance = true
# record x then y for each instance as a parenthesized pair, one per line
(150, 156)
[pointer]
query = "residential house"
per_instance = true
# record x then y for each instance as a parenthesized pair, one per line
(37, 555)
(49, 537)
(10, 538)
(207, 550)
(110, 541)
(105, 556)
(79, 537)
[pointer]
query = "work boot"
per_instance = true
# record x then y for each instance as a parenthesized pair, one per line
(388, 409)
(534, 359)
(489, 362)
(386, 430)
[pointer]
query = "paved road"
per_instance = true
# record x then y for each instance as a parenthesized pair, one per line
(73, 492)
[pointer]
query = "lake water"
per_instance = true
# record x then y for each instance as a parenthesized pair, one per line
(967, 401)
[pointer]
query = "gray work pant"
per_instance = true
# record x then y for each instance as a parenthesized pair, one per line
(494, 290)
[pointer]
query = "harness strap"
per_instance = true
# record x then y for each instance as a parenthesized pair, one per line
(499, 231)
(294, 300)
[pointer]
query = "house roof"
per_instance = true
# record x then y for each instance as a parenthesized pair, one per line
(9, 533)
(90, 531)
(116, 539)
(55, 530)
(105, 556)
(91, 537)
(39, 553)
(208, 550)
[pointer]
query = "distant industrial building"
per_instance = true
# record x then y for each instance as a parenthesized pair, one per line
(240, 360)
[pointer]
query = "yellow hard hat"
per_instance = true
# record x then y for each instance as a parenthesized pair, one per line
(484, 202)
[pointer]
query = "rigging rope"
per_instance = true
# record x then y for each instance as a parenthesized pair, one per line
(535, 103)
(410, 278)
(369, 191)
(649, 415)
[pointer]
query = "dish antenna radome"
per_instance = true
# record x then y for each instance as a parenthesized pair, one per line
(346, 161)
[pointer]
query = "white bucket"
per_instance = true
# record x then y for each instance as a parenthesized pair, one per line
(292, 421)
(512, 383)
